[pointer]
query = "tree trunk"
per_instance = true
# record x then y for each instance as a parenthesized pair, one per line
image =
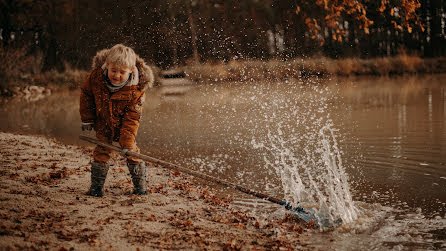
(193, 32)
(6, 24)
(173, 40)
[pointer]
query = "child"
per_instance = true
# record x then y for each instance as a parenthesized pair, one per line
(111, 103)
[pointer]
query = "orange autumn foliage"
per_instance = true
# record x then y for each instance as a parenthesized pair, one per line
(401, 15)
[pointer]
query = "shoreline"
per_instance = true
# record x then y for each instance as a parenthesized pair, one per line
(246, 71)
(255, 70)
(45, 206)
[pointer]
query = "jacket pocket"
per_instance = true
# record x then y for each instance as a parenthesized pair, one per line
(119, 103)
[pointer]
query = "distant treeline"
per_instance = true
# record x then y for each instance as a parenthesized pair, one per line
(43, 35)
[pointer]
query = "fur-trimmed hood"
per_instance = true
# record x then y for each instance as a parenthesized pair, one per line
(145, 73)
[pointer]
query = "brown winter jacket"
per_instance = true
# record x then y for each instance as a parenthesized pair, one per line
(116, 116)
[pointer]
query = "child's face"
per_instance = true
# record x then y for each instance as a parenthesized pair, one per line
(118, 73)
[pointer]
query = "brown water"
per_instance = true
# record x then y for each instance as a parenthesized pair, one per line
(389, 135)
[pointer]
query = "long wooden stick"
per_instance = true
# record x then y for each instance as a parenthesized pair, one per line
(184, 170)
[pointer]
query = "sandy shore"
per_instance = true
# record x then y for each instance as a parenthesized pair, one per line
(43, 205)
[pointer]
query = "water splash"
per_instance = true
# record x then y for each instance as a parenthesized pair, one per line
(288, 134)
(338, 197)
(307, 160)
(316, 178)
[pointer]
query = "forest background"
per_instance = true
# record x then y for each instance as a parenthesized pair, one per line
(344, 37)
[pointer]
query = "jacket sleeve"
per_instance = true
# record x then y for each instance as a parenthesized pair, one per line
(130, 122)
(87, 106)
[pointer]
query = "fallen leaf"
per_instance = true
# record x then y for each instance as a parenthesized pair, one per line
(151, 218)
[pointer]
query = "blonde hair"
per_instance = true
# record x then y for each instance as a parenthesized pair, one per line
(121, 55)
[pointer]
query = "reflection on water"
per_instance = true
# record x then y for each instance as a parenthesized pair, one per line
(400, 125)
(391, 136)
(57, 116)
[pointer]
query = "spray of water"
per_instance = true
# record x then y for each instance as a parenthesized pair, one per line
(282, 136)
(315, 178)
(308, 160)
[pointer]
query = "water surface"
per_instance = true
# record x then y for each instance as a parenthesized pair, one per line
(387, 134)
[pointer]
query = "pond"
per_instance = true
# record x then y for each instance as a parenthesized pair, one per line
(371, 151)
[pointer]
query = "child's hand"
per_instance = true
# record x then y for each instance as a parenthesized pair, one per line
(124, 152)
(87, 126)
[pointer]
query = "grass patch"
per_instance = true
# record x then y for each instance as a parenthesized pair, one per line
(253, 70)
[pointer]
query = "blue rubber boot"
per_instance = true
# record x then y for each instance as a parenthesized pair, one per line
(98, 175)
(139, 175)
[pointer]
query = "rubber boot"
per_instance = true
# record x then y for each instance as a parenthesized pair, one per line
(98, 174)
(139, 175)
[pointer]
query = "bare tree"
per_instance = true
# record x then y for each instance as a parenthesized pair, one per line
(193, 31)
